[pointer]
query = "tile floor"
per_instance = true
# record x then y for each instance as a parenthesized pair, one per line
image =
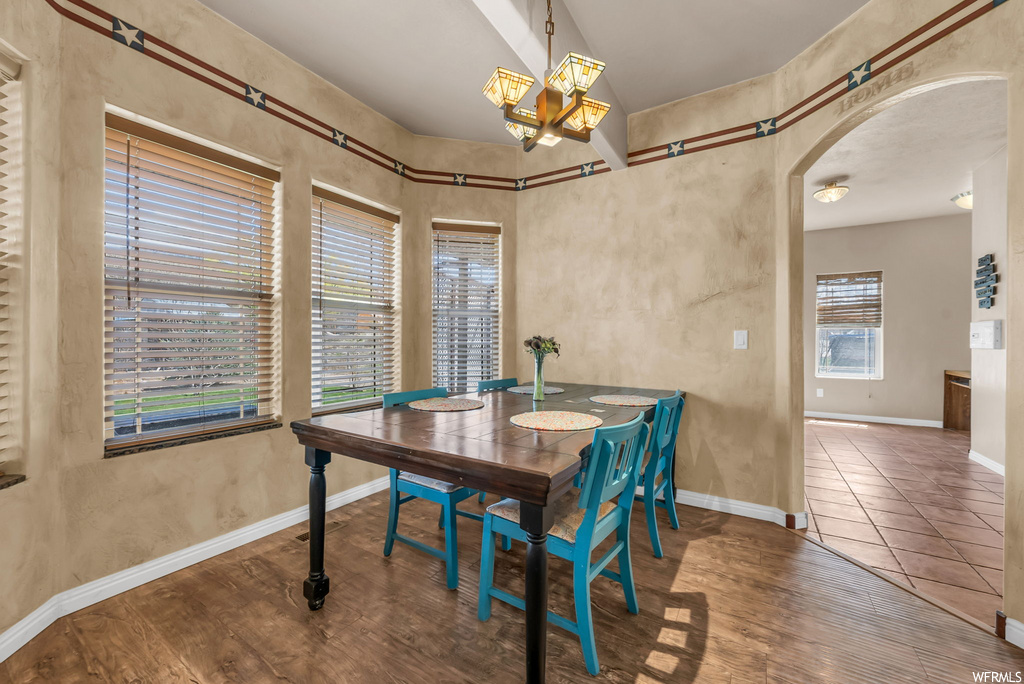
(908, 502)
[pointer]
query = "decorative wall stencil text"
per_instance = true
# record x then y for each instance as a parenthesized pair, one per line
(874, 86)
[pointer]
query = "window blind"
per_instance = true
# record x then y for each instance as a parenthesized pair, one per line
(189, 268)
(849, 300)
(355, 311)
(466, 305)
(9, 207)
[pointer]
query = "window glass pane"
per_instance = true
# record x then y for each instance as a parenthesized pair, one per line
(849, 352)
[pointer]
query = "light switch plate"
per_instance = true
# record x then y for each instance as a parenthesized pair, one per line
(821, 392)
(739, 339)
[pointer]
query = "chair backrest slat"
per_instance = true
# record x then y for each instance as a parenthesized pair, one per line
(614, 460)
(397, 398)
(504, 383)
(665, 427)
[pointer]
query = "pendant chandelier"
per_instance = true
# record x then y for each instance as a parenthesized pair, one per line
(550, 122)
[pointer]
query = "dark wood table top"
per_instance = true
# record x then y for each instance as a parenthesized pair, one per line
(480, 449)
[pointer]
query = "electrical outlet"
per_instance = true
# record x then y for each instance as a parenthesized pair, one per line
(739, 339)
(821, 392)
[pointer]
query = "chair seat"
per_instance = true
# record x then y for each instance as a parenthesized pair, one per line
(567, 514)
(439, 485)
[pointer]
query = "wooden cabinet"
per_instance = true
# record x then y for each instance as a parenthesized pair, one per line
(956, 411)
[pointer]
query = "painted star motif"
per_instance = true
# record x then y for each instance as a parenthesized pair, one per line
(400, 168)
(859, 75)
(257, 98)
(340, 139)
(766, 127)
(460, 179)
(675, 149)
(124, 32)
(520, 183)
(587, 169)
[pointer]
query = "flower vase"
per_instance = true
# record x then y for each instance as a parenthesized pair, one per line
(538, 377)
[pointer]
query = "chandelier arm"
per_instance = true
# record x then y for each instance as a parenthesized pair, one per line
(578, 136)
(574, 104)
(529, 143)
(527, 121)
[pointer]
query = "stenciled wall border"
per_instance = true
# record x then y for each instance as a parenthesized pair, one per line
(137, 39)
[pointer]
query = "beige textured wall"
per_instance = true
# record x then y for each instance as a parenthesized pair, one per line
(988, 366)
(926, 308)
(642, 274)
(80, 517)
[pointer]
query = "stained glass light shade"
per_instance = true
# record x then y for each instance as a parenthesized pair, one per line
(519, 130)
(576, 72)
(507, 87)
(589, 115)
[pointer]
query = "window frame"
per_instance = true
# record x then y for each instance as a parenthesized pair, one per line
(467, 229)
(374, 214)
(259, 320)
(879, 335)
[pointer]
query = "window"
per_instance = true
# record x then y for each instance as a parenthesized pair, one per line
(10, 209)
(849, 325)
(355, 312)
(189, 268)
(467, 312)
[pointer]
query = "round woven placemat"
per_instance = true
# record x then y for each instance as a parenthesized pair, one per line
(445, 404)
(528, 389)
(624, 400)
(556, 421)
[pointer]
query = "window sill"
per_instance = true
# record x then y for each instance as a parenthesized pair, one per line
(124, 449)
(10, 480)
(847, 377)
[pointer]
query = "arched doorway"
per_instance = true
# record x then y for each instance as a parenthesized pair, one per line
(884, 482)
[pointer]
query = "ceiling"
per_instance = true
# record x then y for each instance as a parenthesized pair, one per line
(909, 160)
(423, 64)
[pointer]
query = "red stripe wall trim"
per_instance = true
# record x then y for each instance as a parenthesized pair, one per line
(328, 131)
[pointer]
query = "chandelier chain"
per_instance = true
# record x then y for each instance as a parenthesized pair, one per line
(549, 28)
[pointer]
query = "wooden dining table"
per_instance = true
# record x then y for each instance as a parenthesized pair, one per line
(479, 449)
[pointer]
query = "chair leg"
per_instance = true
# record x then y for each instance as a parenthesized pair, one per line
(481, 497)
(670, 501)
(451, 545)
(626, 568)
(584, 616)
(389, 539)
(506, 543)
(483, 610)
(440, 519)
(652, 517)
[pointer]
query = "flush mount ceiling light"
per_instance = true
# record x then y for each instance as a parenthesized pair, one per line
(965, 200)
(832, 192)
(550, 122)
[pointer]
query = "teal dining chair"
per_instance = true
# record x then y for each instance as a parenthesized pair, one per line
(583, 518)
(504, 383)
(660, 461)
(421, 487)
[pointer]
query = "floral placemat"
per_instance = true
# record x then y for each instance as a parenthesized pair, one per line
(556, 421)
(445, 404)
(624, 400)
(528, 389)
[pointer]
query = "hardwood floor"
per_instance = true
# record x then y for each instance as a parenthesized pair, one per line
(734, 600)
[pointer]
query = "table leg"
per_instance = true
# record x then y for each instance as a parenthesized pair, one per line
(536, 521)
(317, 585)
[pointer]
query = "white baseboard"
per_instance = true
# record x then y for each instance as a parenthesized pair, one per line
(1015, 632)
(69, 601)
(735, 507)
(917, 422)
(995, 467)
